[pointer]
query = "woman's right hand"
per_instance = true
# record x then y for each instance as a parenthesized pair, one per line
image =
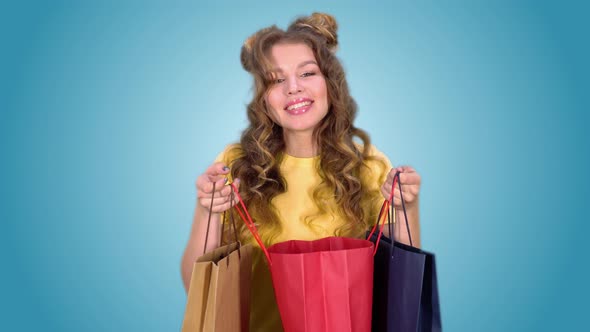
(215, 174)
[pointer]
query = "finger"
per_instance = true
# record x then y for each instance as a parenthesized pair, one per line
(216, 170)
(217, 200)
(386, 187)
(217, 194)
(406, 169)
(396, 193)
(226, 190)
(385, 192)
(410, 178)
(409, 193)
(223, 207)
(408, 199)
(219, 185)
(236, 184)
(236, 201)
(391, 175)
(397, 201)
(413, 190)
(408, 190)
(205, 188)
(400, 170)
(410, 183)
(230, 188)
(201, 180)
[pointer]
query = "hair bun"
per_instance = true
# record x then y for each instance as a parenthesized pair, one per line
(320, 23)
(245, 54)
(251, 46)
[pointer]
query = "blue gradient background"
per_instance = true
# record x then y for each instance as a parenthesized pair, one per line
(110, 111)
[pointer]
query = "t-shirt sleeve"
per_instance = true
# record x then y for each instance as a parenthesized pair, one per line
(229, 155)
(379, 166)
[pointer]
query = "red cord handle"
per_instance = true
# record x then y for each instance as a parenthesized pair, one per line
(250, 224)
(385, 207)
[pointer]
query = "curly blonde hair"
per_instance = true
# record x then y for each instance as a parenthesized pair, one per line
(260, 152)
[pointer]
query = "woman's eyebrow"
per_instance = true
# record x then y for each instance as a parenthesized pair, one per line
(303, 64)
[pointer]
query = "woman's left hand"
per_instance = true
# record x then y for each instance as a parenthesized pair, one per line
(410, 181)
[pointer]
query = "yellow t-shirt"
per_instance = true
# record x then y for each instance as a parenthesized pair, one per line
(292, 206)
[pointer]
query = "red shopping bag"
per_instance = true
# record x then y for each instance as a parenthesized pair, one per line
(320, 286)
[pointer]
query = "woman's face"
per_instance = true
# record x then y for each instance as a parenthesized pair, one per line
(298, 97)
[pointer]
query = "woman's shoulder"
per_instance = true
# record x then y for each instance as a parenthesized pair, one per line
(230, 153)
(373, 154)
(376, 162)
(373, 151)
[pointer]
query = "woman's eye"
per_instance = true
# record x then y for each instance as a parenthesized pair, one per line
(279, 80)
(308, 74)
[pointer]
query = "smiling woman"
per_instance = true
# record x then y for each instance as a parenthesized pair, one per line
(298, 98)
(303, 169)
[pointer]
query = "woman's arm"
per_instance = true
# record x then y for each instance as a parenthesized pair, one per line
(196, 242)
(213, 197)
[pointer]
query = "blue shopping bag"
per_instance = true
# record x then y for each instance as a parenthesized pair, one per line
(405, 290)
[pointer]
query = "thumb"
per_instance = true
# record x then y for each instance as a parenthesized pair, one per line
(216, 171)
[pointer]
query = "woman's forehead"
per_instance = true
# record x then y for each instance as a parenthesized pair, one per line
(285, 56)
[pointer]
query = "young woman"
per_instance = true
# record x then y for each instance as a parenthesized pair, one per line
(303, 169)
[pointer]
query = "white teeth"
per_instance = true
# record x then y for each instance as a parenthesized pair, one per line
(301, 104)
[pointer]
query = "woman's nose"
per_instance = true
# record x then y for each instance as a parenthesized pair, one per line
(293, 86)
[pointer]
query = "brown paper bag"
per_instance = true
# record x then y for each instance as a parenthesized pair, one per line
(219, 293)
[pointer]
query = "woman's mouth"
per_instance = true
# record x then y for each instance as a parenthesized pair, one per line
(298, 107)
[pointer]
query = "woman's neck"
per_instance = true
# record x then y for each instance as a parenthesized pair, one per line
(300, 145)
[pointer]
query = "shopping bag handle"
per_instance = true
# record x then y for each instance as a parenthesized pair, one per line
(384, 212)
(222, 226)
(209, 219)
(391, 228)
(233, 224)
(249, 223)
(392, 213)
